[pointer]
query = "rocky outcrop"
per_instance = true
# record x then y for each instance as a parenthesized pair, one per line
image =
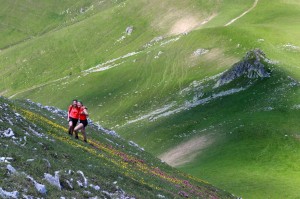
(252, 66)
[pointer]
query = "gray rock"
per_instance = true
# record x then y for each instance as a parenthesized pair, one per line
(252, 66)
(39, 187)
(200, 51)
(129, 30)
(54, 180)
(11, 169)
(7, 194)
(84, 179)
(157, 39)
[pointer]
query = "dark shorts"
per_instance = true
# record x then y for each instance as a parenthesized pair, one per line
(84, 122)
(74, 121)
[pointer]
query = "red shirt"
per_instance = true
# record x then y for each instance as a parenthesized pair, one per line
(82, 116)
(73, 112)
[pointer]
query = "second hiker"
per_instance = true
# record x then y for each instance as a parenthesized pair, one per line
(73, 115)
(83, 114)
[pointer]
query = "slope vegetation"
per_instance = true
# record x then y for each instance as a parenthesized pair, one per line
(151, 71)
(38, 158)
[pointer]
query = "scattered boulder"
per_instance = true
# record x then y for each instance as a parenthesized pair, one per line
(84, 181)
(5, 159)
(252, 66)
(200, 51)
(54, 180)
(7, 133)
(153, 41)
(7, 194)
(11, 169)
(95, 187)
(157, 39)
(39, 187)
(129, 30)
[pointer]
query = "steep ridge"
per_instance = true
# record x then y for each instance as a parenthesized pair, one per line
(39, 159)
(253, 66)
(253, 129)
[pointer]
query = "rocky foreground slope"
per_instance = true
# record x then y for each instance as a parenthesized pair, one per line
(38, 159)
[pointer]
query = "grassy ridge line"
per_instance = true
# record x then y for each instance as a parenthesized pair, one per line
(128, 164)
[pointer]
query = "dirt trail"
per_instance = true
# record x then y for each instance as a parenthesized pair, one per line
(244, 13)
(187, 151)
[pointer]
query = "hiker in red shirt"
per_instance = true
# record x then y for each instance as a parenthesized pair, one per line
(73, 116)
(83, 114)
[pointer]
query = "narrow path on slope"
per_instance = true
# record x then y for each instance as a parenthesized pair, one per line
(244, 13)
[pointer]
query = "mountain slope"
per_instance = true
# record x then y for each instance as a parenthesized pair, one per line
(35, 146)
(243, 138)
(22, 21)
(89, 43)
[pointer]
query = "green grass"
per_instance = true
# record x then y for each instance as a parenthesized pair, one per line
(21, 21)
(255, 150)
(265, 159)
(105, 160)
(142, 83)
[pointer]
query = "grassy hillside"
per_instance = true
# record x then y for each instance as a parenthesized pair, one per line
(25, 20)
(247, 141)
(35, 146)
(88, 43)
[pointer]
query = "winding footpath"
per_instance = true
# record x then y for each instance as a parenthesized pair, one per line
(244, 13)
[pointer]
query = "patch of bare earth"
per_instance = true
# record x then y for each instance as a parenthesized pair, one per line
(184, 24)
(175, 20)
(188, 23)
(186, 152)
